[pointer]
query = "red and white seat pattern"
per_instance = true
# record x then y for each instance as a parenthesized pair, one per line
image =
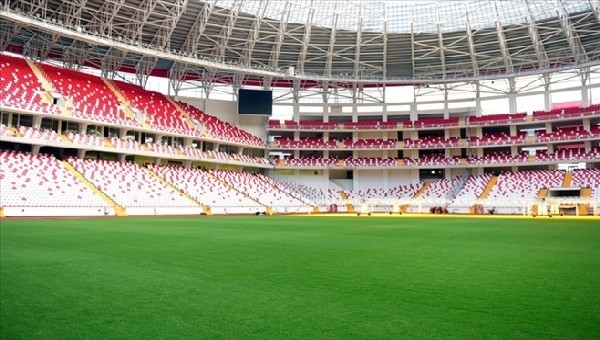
(18, 86)
(257, 188)
(89, 140)
(221, 130)
(370, 143)
(160, 113)
(432, 160)
(469, 194)
(41, 181)
(312, 161)
(305, 143)
(431, 123)
(496, 119)
(566, 112)
(564, 133)
(317, 196)
(567, 155)
(91, 98)
(206, 189)
(45, 134)
(129, 185)
(428, 142)
(126, 143)
(162, 148)
(370, 161)
(500, 138)
(499, 158)
(587, 178)
(519, 189)
(400, 192)
(369, 125)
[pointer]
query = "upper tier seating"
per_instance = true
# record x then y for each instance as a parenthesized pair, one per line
(567, 155)
(563, 133)
(432, 160)
(499, 157)
(431, 123)
(18, 86)
(316, 125)
(496, 119)
(369, 125)
(566, 112)
(41, 181)
(431, 142)
(129, 185)
(499, 138)
(160, 113)
(370, 144)
(91, 98)
(370, 161)
(306, 143)
(312, 161)
(221, 130)
(206, 189)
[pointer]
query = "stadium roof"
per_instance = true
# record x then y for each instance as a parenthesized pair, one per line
(274, 42)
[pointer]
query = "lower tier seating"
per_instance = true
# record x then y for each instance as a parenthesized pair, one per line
(41, 181)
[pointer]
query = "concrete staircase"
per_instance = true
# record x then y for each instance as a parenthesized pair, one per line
(488, 188)
(567, 180)
(119, 210)
(422, 190)
(184, 113)
(46, 97)
(344, 197)
(171, 186)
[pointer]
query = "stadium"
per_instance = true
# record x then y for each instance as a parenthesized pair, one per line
(299, 169)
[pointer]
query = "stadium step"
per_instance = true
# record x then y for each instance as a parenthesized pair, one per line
(344, 197)
(586, 192)
(116, 91)
(185, 114)
(567, 180)
(119, 210)
(542, 193)
(65, 139)
(46, 85)
(422, 190)
(172, 187)
(488, 188)
(108, 143)
(222, 182)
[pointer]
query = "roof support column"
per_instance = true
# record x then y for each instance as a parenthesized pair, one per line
(472, 50)
(584, 76)
(512, 95)
(546, 79)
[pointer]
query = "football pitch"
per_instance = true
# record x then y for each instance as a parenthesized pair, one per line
(282, 277)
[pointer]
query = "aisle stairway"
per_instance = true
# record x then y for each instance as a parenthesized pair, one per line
(119, 210)
(492, 182)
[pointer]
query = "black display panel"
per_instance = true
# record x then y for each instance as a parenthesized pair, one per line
(255, 102)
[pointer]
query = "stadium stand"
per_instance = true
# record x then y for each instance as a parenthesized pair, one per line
(41, 181)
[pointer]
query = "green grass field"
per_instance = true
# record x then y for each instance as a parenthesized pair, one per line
(272, 277)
